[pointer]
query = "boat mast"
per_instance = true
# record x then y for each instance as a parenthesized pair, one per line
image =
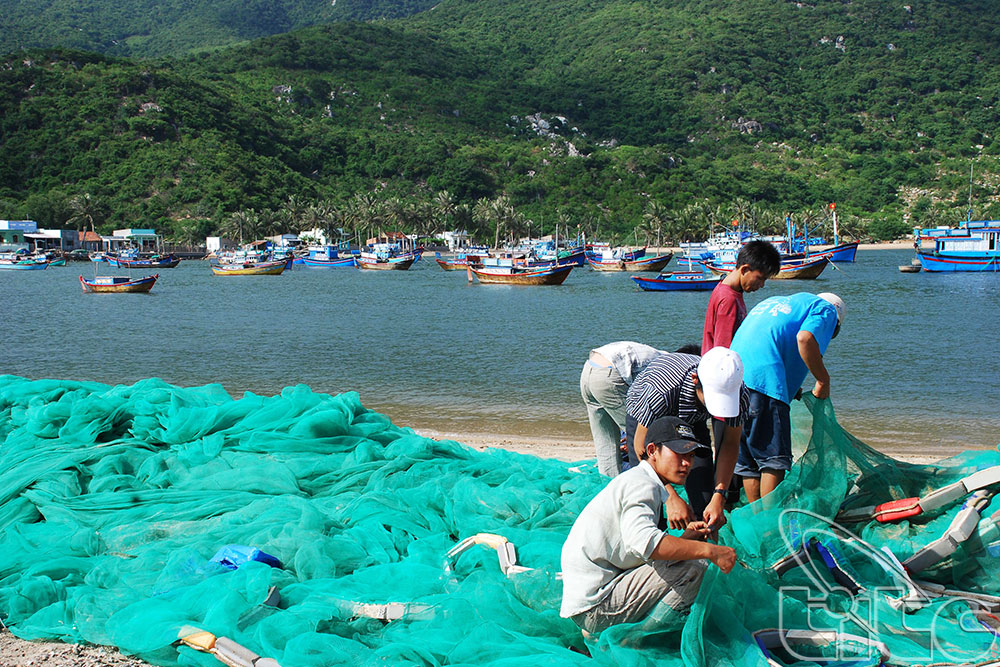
(971, 166)
(836, 236)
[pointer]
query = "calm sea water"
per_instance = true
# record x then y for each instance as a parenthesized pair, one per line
(915, 365)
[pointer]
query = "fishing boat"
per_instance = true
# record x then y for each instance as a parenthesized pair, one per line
(973, 246)
(517, 275)
(323, 257)
(806, 269)
(800, 269)
(651, 263)
(605, 258)
(272, 268)
(136, 261)
(388, 253)
(552, 253)
(844, 252)
(118, 283)
(13, 262)
(461, 260)
(386, 262)
(677, 281)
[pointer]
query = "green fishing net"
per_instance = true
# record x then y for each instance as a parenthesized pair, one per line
(115, 499)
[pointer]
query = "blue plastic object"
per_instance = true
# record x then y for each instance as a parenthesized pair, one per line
(233, 555)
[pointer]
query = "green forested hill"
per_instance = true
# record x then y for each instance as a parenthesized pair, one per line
(145, 28)
(610, 114)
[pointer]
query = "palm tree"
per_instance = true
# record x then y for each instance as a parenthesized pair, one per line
(444, 207)
(239, 224)
(293, 211)
(464, 220)
(485, 216)
(277, 222)
(368, 213)
(86, 211)
(655, 219)
(189, 232)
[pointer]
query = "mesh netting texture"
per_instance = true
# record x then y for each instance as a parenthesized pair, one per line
(115, 499)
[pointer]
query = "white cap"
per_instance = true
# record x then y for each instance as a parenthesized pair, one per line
(837, 302)
(721, 374)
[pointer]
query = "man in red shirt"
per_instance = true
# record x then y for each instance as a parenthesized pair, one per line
(756, 262)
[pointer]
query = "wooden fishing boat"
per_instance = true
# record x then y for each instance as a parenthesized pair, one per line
(605, 258)
(598, 264)
(807, 269)
(118, 283)
(392, 252)
(803, 269)
(392, 263)
(677, 281)
(652, 263)
(514, 275)
(130, 261)
(452, 264)
(460, 261)
(274, 268)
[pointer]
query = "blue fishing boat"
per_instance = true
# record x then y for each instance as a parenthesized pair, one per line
(677, 281)
(11, 262)
(324, 257)
(973, 246)
(844, 252)
(134, 260)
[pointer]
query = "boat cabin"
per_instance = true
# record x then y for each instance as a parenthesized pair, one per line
(973, 237)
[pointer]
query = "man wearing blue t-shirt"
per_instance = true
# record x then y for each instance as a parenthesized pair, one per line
(781, 340)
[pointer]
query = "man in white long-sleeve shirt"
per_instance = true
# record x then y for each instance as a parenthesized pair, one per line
(618, 562)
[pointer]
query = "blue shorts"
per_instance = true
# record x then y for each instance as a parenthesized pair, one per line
(767, 437)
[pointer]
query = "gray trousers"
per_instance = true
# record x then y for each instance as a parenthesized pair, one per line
(604, 391)
(637, 591)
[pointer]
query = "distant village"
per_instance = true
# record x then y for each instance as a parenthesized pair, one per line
(24, 236)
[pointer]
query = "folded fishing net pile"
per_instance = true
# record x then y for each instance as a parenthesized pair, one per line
(116, 501)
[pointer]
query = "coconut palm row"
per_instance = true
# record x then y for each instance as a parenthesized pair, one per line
(498, 221)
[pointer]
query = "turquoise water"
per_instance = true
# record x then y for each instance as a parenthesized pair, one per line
(914, 366)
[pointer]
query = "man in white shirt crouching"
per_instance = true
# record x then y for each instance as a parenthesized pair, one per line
(618, 563)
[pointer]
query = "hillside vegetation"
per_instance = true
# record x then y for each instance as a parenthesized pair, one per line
(144, 28)
(625, 118)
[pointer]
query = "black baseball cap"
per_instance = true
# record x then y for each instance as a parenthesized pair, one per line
(674, 433)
